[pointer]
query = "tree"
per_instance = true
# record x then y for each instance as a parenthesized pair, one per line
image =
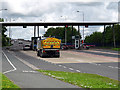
(109, 35)
(95, 38)
(5, 39)
(59, 32)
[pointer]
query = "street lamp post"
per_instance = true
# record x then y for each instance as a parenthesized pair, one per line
(44, 26)
(9, 26)
(5, 10)
(83, 22)
(9, 32)
(65, 32)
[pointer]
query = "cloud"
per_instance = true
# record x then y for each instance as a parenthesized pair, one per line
(26, 33)
(52, 10)
(92, 4)
(113, 6)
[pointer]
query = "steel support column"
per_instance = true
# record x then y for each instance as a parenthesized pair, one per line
(103, 42)
(65, 36)
(38, 31)
(114, 36)
(34, 31)
(72, 34)
(79, 35)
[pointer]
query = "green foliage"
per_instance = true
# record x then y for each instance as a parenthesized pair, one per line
(1, 20)
(109, 34)
(60, 33)
(6, 83)
(97, 37)
(5, 39)
(116, 49)
(83, 80)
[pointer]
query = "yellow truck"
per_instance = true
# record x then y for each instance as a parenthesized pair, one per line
(48, 47)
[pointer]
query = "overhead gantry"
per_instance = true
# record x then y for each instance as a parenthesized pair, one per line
(46, 24)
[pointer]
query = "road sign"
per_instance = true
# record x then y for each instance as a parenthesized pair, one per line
(73, 37)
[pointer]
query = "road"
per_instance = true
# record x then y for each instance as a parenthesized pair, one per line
(78, 61)
(25, 76)
(26, 62)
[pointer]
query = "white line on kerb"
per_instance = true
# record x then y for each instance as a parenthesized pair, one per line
(71, 68)
(60, 65)
(78, 70)
(10, 64)
(64, 67)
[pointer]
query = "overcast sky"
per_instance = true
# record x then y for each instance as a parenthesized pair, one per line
(52, 10)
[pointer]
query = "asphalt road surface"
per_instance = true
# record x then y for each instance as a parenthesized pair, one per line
(25, 76)
(76, 62)
(23, 64)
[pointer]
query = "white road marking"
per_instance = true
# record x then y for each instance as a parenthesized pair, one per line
(80, 60)
(116, 67)
(60, 65)
(100, 64)
(78, 70)
(111, 66)
(64, 67)
(71, 68)
(29, 71)
(93, 63)
(14, 68)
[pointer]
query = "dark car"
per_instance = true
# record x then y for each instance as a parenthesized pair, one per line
(26, 47)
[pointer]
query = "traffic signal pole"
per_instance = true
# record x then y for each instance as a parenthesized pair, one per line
(114, 36)
(34, 31)
(38, 31)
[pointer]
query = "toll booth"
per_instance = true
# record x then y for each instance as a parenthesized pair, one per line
(77, 42)
(34, 43)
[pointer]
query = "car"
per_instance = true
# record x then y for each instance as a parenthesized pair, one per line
(89, 45)
(26, 47)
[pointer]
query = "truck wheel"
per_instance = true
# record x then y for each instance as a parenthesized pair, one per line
(57, 56)
(42, 55)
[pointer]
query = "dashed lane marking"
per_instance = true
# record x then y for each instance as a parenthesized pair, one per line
(14, 68)
(60, 65)
(100, 64)
(25, 71)
(111, 66)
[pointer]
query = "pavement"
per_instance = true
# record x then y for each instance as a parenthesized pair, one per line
(25, 76)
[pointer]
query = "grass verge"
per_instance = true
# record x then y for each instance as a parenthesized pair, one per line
(83, 80)
(6, 83)
(116, 49)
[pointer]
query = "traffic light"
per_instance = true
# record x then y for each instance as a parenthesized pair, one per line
(86, 26)
(45, 26)
(24, 26)
(82, 41)
(66, 26)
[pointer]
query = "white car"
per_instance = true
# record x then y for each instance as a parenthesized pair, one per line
(26, 47)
